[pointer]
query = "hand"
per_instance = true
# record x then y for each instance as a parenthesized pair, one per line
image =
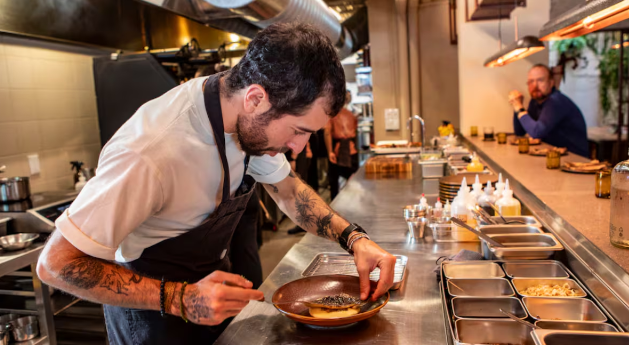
(210, 302)
(368, 255)
(332, 157)
(516, 100)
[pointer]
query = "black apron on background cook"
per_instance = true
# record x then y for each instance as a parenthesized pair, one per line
(188, 257)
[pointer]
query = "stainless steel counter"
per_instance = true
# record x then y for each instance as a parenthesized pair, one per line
(414, 313)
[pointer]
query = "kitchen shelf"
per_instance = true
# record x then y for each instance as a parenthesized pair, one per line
(61, 302)
(17, 293)
(18, 311)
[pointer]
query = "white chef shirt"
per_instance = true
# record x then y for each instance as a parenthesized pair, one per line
(159, 176)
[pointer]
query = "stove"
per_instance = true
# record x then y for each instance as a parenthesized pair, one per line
(38, 213)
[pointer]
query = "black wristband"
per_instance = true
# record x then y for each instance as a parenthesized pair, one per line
(162, 310)
(521, 110)
(345, 235)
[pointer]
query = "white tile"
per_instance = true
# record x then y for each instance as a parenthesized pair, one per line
(84, 75)
(4, 73)
(24, 105)
(20, 72)
(16, 165)
(55, 164)
(52, 132)
(63, 183)
(87, 104)
(75, 135)
(29, 137)
(56, 104)
(6, 113)
(92, 152)
(9, 139)
(89, 129)
(18, 50)
(52, 74)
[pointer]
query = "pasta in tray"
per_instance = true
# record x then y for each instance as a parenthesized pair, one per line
(546, 290)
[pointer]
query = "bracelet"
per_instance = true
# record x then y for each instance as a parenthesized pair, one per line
(354, 239)
(353, 234)
(169, 294)
(183, 312)
(162, 309)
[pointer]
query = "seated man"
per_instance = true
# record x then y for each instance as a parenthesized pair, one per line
(551, 116)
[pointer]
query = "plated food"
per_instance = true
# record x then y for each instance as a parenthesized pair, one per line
(547, 290)
(584, 167)
(542, 152)
(532, 141)
(334, 306)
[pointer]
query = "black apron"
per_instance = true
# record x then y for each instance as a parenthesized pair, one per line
(188, 257)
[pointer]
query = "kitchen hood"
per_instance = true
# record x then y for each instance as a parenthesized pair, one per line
(517, 50)
(588, 16)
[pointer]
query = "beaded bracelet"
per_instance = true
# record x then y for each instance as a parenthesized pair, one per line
(354, 239)
(183, 312)
(162, 309)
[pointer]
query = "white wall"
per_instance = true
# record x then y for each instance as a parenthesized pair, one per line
(483, 91)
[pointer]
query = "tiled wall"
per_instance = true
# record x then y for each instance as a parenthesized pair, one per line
(47, 107)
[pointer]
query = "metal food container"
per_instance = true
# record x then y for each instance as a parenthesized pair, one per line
(522, 247)
(527, 220)
(554, 337)
(494, 287)
(472, 270)
(487, 307)
(25, 328)
(4, 225)
(510, 229)
(535, 270)
(433, 168)
(576, 326)
(14, 188)
(563, 309)
(492, 331)
(522, 284)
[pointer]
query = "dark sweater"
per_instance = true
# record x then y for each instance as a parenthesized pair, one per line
(557, 121)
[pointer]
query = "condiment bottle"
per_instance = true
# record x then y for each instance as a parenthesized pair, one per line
(619, 217)
(461, 210)
(475, 165)
(437, 212)
(508, 205)
(487, 199)
(423, 201)
(81, 183)
(500, 186)
(447, 209)
(477, 189)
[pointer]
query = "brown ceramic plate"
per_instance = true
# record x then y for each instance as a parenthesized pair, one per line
(311, 288)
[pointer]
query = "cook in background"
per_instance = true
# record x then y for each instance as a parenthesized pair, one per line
(340, 140)
(551, 116)
(149, 235)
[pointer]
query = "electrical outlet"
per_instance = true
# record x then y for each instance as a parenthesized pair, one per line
(33, 163)
(392, 119)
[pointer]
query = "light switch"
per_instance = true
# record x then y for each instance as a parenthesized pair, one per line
(392, 119)
(33, 163)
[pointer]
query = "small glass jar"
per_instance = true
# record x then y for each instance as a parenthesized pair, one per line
(474, 131)
(502, 138)
(523, 145)
(488, 133)
(553, 159)
(603, 186)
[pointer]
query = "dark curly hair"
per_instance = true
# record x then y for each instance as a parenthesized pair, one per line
(296, 64)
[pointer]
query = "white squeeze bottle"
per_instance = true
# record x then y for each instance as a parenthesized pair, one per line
(477, 189)
(82, 181)
(460, 210)
(437, 212)
(423, 202)
(487, 199)
(447, 209)
(500, 186)
(508, 205)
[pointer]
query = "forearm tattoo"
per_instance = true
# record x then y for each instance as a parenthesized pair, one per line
(311, 212)
(88, 273)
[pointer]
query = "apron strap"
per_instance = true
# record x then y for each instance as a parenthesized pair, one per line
(211, 97)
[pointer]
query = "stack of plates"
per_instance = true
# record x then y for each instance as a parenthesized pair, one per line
(450, 185)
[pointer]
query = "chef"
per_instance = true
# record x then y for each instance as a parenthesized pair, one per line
(148, 237)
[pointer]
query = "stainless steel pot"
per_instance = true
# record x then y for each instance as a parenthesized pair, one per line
(14, 189)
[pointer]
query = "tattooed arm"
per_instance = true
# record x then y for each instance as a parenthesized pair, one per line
(207, 302)
(304, 206)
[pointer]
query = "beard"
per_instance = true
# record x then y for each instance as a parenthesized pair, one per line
(252, 134)
(538, 95)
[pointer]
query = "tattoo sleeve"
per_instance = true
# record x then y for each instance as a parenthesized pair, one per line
(314, 215)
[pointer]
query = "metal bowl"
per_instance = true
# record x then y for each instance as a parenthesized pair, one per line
(311, 288)
(17, 241)
(25, 328)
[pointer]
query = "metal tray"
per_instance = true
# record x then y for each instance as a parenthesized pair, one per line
(492, 287)
(535, 270)
(343, 263)
(472, 270)
(510, 229)
(487, 307)
(521, 284)
(554, 337)
(576, 326)
(492, 331)
(523, 247)
(528, 220)
(563, 309)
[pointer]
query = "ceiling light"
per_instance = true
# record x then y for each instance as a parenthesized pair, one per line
(617, 45)
(585, 18)
(517, 50)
